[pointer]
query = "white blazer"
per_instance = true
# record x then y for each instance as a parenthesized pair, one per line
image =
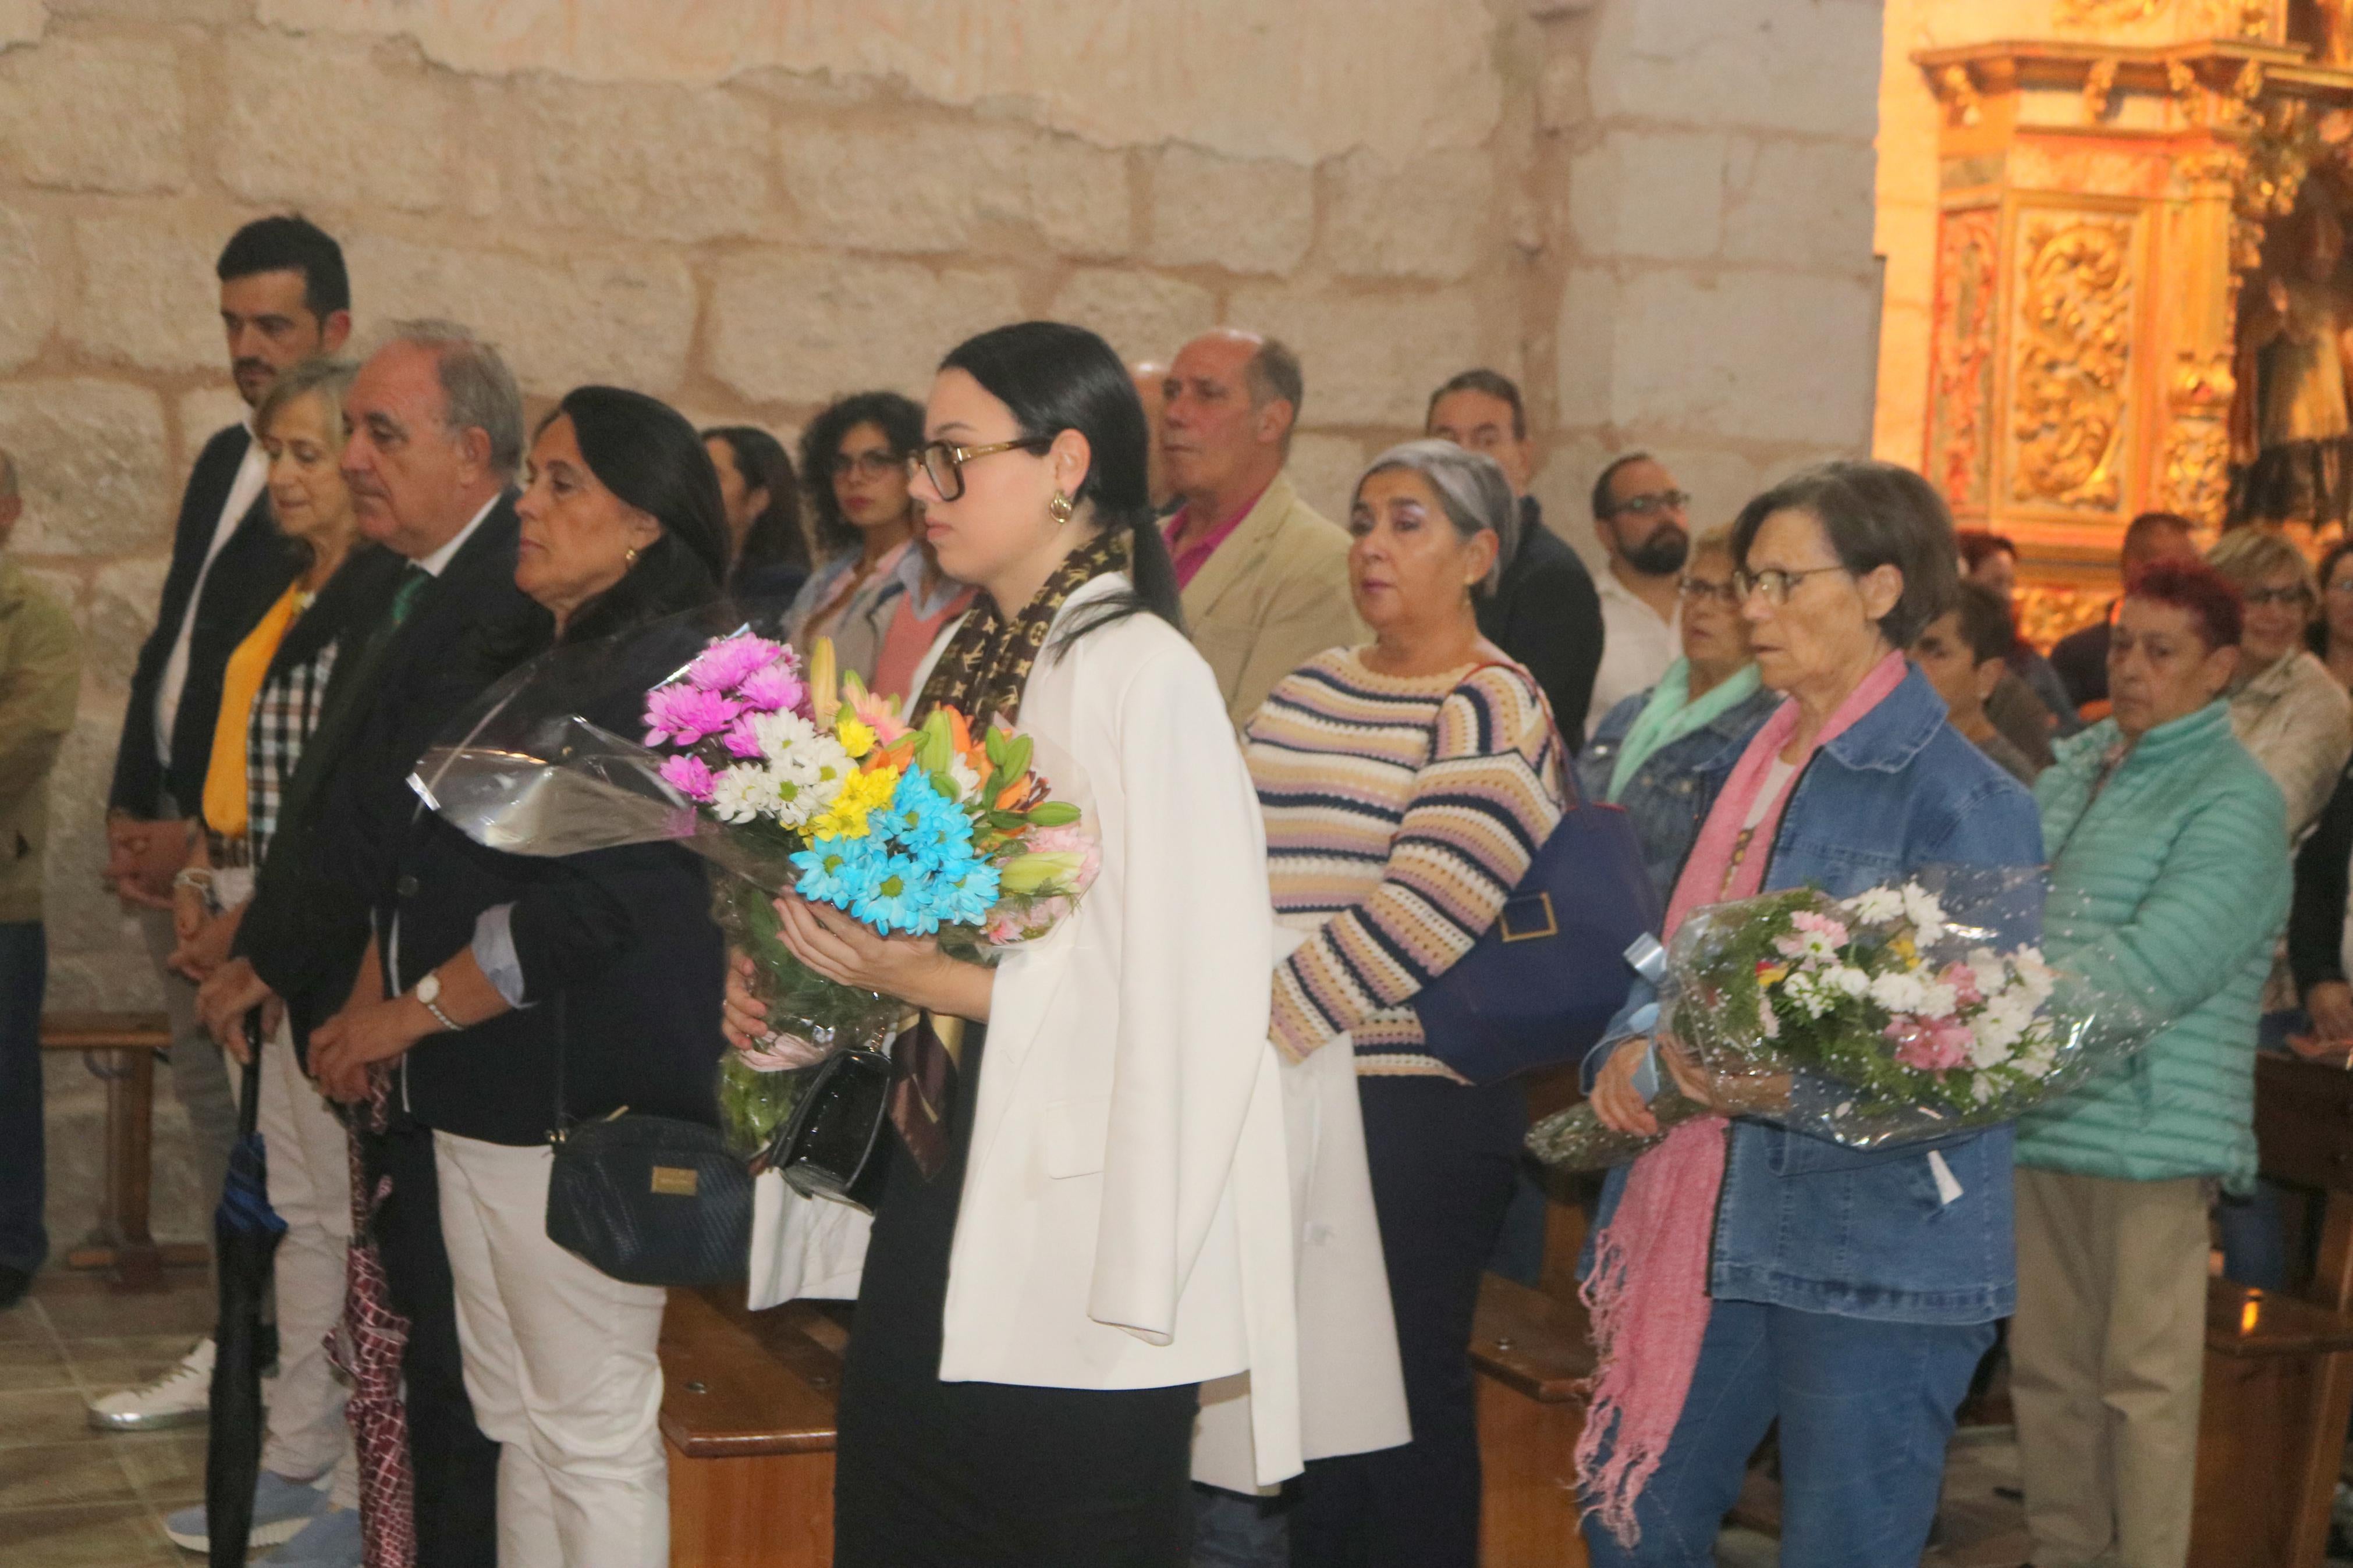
(1126, 1219)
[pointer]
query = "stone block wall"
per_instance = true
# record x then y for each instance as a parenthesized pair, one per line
(1655, 214)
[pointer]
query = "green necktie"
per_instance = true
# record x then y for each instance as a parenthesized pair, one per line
(413, 579)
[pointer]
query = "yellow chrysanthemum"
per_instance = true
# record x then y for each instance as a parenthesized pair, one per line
(860, 794)
(857, 736)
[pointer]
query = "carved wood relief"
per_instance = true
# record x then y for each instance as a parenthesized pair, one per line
(2074, 355)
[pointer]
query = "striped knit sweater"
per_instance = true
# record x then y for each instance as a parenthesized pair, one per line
(1400, 813)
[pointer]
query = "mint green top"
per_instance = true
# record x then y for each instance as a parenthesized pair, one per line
(1671, 714)
(2168, 882)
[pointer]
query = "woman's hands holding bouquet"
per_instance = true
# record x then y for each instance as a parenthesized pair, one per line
(1619, 1107)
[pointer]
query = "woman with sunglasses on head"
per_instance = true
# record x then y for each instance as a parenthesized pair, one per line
(1657, 751)
(1746, 1273)
(1096, 1220)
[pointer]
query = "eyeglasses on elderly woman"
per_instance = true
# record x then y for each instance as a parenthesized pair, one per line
(1773, 583)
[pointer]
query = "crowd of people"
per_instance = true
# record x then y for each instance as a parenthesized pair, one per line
(1319, 757)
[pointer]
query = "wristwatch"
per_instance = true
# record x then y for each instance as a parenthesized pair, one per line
(428, 991)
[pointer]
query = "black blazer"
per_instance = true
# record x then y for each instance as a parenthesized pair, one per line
(349, 802)
(1544, 614)
(251, 571)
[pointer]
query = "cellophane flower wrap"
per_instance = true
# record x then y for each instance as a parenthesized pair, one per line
(1909, 1011)
(784, 776)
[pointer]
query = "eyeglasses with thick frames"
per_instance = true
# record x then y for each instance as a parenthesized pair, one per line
(942, 461)
(1702, 591)
(1657, 501)
(1773, 583)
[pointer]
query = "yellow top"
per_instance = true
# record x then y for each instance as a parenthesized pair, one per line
(225, 777)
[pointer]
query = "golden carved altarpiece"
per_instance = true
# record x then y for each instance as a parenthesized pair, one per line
(2101, 210)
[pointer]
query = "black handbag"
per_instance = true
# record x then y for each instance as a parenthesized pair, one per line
(651, 1200)
(831, 1145)
(1540, 985)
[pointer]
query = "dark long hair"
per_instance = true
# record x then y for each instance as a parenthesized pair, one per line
(1057, 377)
(2316, 636)
(775, 537)
(901, 420)
(645, 452)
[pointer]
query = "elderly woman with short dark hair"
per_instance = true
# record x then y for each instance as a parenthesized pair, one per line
(1745, 1273)
(1406, 786)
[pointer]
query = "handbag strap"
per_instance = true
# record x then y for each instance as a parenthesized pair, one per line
(561, 1124)
(1568, 795)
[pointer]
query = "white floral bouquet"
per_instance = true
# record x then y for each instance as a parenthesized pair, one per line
(1907, 1012)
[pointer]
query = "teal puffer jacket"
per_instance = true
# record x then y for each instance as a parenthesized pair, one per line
(2169, 884)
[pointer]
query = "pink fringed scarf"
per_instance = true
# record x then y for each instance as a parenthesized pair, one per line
(1648, 1291)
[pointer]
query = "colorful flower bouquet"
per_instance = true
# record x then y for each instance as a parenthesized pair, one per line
(1905, 1013)
(783, 776)
(933, 831)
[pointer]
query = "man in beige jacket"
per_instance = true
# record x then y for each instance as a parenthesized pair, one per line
(1265, 578)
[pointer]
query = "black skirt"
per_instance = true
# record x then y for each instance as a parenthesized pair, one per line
(980, 1474)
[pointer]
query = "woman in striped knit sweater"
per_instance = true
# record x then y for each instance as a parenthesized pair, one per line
(1406, 786)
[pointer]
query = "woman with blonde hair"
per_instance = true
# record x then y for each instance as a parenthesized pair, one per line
(2285, 708)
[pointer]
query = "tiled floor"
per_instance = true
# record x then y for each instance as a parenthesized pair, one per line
(69, 1495)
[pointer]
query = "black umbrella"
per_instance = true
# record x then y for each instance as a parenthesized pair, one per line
(244, 1238)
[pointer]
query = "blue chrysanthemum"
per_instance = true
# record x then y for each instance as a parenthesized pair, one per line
(840, 872)
(899, 898)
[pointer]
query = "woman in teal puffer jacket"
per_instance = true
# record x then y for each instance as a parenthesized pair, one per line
(2169, 883)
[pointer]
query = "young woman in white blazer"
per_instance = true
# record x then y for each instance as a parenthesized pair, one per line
(1107, 1222)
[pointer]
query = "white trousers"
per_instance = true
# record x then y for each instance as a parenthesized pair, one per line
(561, 1366)
(311, 1188)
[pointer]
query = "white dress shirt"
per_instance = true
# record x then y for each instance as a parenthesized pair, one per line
(1636, 645)
(252, 479)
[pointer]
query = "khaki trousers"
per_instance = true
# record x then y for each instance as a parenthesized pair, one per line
(2108, 1357)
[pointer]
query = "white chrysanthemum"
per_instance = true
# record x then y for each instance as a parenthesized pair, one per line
(1899, 991)
(781, 734)
(1938, 1000)
(1877, 906)
(967, 777)
(1926, 915)
(743, 792)
(1806, 990)
(1847, 978)
(2034, 974)
(1992, 972)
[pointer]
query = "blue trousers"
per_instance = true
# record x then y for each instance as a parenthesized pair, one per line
(24, 1183)
(1865, 1410)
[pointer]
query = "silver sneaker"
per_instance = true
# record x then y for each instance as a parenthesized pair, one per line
(180, 1397)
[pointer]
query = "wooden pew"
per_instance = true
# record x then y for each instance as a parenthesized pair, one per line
(747, 1419)
(2279, 1369)
(121, 1049)
(748, 1422)
(1531, 1355)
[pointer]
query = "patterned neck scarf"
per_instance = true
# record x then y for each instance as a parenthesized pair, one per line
(985, 667)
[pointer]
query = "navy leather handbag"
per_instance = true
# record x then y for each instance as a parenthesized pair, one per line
(1540, 985)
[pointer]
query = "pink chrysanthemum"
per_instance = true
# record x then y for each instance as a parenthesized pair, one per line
(1929, 1048)
(681, 715)
(741, 742)
(773, 688)
(723, 665)
(688, 774)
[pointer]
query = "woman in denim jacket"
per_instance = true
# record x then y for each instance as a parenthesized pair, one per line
(1656, 752)
(1745, 1273)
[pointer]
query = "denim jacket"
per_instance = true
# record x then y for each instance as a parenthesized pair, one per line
(1878, 1233)
(1669, 794)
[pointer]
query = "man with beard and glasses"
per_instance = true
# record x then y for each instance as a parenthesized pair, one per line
(284, 296)
(1643, 522)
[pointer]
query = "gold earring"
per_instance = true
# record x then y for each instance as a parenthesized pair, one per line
(1059, 508)
(629, 556)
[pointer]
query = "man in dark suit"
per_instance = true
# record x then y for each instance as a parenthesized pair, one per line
(1544, 611)
(437, 438)
(284, 296)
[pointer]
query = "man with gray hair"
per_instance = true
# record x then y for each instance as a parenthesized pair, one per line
(40, 676)
(437, 438)
(1264, 577)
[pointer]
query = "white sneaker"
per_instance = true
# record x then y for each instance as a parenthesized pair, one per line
(180, 1397)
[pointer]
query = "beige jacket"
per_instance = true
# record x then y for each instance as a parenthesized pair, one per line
(2299, 723)
(1273, 596)
(40, 678)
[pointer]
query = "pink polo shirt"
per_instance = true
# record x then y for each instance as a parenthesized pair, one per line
(1196, 555)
